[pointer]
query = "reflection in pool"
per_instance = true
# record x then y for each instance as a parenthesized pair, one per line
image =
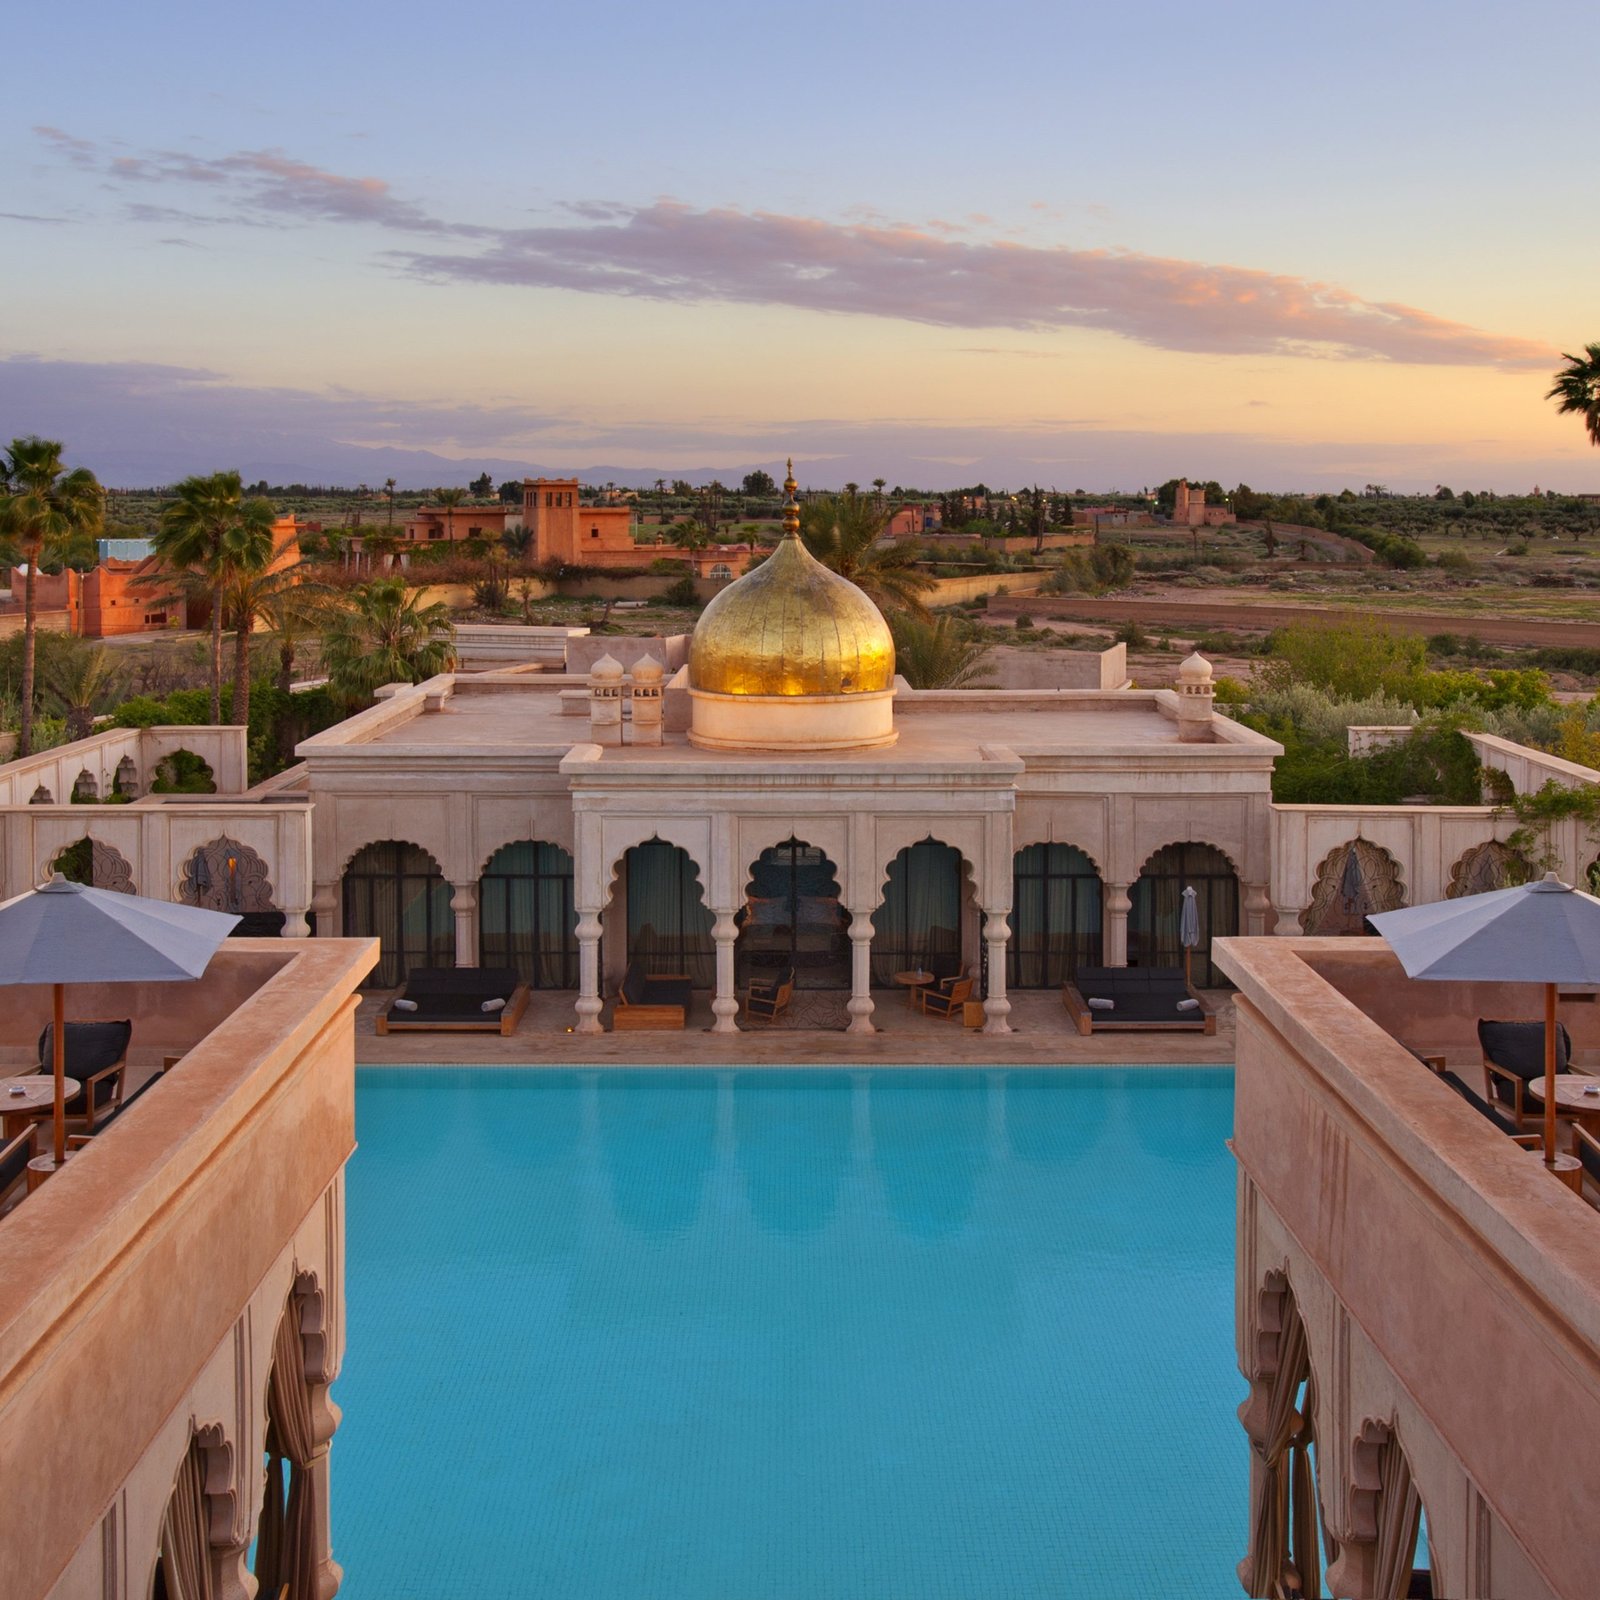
(758, 1334)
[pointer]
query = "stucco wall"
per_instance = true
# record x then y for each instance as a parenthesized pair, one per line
(141, 1287)
(1450, 1287)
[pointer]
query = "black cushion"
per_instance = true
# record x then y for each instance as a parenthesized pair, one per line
(14, 1158)
(667, 992)
(1474, 1099)
(633, 986)
(91, 1047)
(1519, 1046)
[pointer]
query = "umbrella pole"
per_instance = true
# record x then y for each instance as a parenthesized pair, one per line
(1188, 957)
(1550, 1075)
(59, 1052)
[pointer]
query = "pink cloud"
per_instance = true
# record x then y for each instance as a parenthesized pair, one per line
(939, 274)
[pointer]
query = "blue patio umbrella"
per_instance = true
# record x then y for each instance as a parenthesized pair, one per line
(65, 933)
(1189, 927)
(1545, 932)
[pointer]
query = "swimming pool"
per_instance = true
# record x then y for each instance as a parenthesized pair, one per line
(753, 1334)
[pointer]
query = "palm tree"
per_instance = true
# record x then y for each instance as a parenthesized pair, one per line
(449, 498)
(388, 489)
(291, 607)
(385, 635)
(208, 536)
(83, 681)
(939, 654)
(44, 511)
(1577, 387)
(844, 535)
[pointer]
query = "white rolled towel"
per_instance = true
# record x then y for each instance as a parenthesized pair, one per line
(1189, 1005)
(1102, 1005)
(405, 1005)
(493, 1005)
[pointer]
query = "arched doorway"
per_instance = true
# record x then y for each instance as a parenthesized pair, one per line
(191, 1563)
(525, 914)
(96, 865)
(1055, 916)
(792, 918)
(918, 923)
(290, 1559)
(669, 923)
(394, 892)
(1485, 868)
(1285, 1554)
(1157, 900)
(1355, 880)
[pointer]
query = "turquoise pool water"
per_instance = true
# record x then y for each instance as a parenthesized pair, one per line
(753, 1335)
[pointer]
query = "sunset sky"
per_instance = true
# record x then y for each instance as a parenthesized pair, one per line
(1086, 246)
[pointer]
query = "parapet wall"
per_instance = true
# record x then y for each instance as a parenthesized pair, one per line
(1448, 1285)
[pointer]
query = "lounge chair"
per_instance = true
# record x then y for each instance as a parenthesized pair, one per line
(15, 1154)
(659, 1000)
(945, 998)
(768, 1001)
(1587, 1149)
(77, 1141)
(1485, 1108)
(458, 1000)
(1513, 1054)
(1102, 998)
(96, 1055)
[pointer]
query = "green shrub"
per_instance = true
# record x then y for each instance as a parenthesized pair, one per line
(1132, 635)
(681, 593)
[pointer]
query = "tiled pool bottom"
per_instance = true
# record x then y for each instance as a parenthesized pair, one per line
(750, 1335)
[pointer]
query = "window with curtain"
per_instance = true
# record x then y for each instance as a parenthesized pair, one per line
(1055, 916)
(1157, 900)
(792, 918)
(919, 922)
(669, 923)
(395, 893)
(525, 914)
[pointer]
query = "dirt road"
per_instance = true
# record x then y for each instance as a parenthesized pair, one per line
(1191, 617)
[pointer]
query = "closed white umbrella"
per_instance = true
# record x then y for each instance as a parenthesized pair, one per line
(65, 933)
(1545, 932)
(1189, 927)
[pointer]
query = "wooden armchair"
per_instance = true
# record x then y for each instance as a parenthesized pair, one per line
(768, 1001)
(946, 998)
(15, 1154)
(1587, 1149)
(97, 1056)
(1513, 1056)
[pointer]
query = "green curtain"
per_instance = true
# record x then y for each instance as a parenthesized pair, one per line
(1055, 917)
(526, 918)
(919, 921)
(669, 923)
(1157, 898)
(394, 892)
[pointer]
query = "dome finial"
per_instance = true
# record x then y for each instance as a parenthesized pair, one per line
(791, 506)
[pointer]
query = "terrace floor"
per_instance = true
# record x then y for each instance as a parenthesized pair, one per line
(1042, 1035)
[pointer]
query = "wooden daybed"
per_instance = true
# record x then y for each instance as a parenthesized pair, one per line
(1141, 997)
(660, 1000)
(451, 1000)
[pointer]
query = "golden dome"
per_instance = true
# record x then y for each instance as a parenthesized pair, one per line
(791, 627)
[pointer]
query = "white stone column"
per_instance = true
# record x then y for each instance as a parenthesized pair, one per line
(725, 1004)
(860, 1005)
(1257, 905)
(589, 1004)
(1117, 905)
(464, 902)
(996, 1008)
(325, 909)
(295, 924)
(1288, 925)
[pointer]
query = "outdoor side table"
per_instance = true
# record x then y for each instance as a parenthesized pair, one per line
(38, 1094)
(1571, 1101)
(911, 982)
